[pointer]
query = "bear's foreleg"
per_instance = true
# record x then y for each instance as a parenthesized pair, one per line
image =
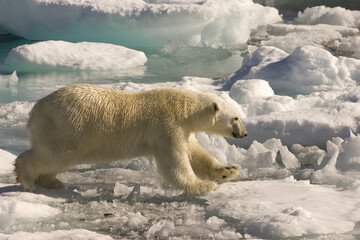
(205, 165)
(174, 165)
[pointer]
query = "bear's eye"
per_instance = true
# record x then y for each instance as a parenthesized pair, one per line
(236, 118)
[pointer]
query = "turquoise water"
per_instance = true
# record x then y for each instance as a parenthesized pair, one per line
(161, 67)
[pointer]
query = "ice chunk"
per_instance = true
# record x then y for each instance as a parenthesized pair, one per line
(136, 221)
(10, 80)
(349, 158)
(243, 91)
(265, 155)
(137, 23)
(308, 156)
(161, 229)
(341, 155)
(12, 209)
(7, 162)
(15, 112)
(327, 173)
(66, 56)
(268, 105)
(220, 149)
(308, 69)
(327, 15)
(259, 156)
(228, 233)
(349, 46)
(121, 189)
(215, 222)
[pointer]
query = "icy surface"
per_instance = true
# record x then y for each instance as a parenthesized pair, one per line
(135, 203)
(137, 23)
(66, 56)
(282, 209)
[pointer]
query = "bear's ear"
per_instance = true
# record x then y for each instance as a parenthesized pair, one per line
(215, 107)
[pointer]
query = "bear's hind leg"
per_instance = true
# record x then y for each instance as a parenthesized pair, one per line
(25, 174)
(205, 165)
(49, 181)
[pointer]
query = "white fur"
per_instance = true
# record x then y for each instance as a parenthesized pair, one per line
(90, 124)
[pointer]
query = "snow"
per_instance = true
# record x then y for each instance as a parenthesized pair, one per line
(152, 23)
(66, 56)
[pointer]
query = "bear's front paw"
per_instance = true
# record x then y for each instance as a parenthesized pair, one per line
(224, 174)
(201, 187)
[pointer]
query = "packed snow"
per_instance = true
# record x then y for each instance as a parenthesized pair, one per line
(294, 83)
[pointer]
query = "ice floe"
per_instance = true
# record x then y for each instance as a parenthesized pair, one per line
(137, 23)
(66, 56)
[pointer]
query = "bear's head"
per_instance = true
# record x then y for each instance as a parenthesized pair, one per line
(219, 117)
(226, 121)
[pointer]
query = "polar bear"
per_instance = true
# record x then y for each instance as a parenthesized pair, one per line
(85, 123)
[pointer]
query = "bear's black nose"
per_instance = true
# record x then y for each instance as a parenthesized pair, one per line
(245, 134)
